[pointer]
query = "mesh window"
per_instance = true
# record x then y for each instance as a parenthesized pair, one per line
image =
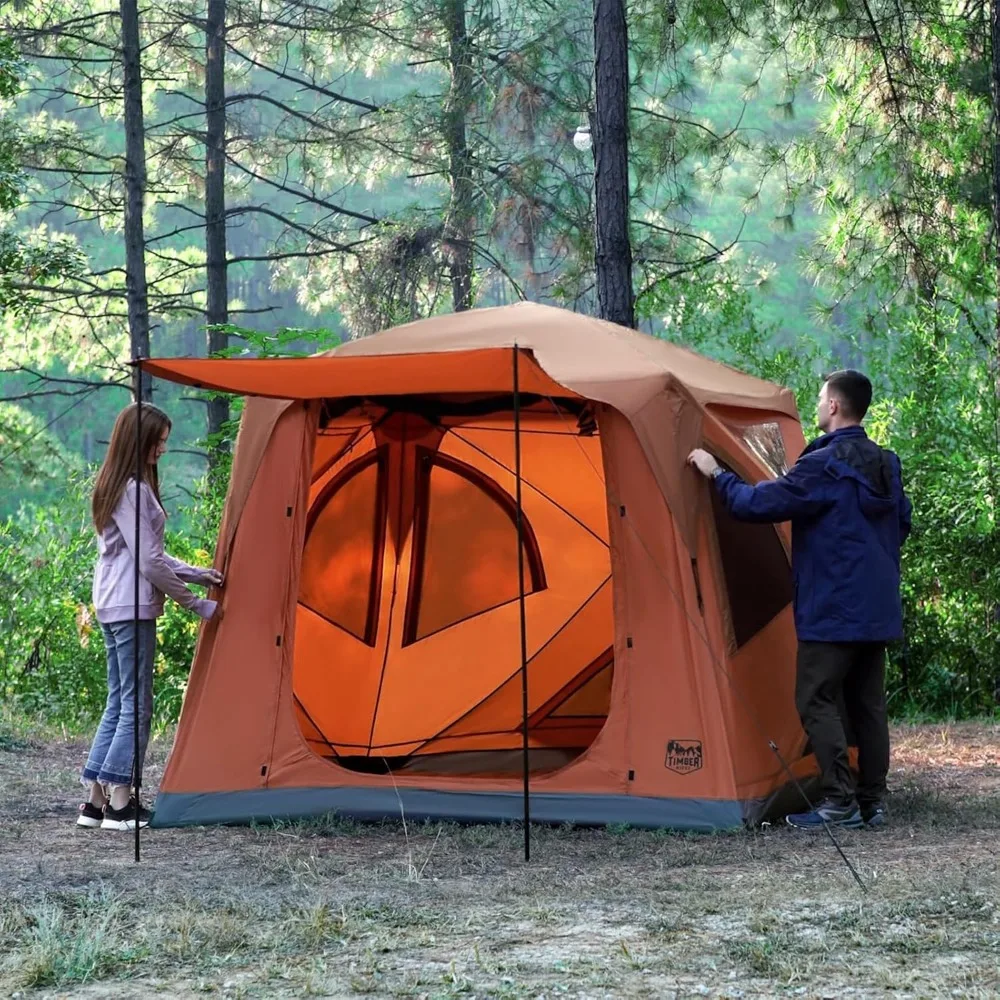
(467, 557)
(590, 701)
(343, 554)
(755, 565)
(765, 441)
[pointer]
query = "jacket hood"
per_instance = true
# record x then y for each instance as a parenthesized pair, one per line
(853, 455)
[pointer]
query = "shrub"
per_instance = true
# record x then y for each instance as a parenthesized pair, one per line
(52, 660)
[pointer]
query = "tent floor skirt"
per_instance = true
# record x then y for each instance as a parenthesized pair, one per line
(268, 804)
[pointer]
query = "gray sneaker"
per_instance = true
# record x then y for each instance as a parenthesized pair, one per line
(874, 816)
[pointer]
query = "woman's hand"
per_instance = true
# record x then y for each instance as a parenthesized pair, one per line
(214, 578)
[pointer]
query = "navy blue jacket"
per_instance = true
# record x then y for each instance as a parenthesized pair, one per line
(849, 518)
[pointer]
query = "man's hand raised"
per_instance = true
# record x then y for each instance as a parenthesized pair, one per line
(703, 462)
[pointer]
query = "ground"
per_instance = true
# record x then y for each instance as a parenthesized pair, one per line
(337, 909)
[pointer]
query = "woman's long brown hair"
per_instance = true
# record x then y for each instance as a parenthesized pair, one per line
(119, 463)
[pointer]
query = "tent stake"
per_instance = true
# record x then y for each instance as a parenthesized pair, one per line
(520, 595)
(135, 648)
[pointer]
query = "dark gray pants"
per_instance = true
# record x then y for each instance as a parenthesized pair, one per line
(845, 682)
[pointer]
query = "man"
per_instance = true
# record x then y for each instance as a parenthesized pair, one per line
(849, 518)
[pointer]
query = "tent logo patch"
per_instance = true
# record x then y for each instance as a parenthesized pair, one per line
(684, 756)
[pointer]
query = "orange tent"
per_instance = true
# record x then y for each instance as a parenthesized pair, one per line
(373, 657)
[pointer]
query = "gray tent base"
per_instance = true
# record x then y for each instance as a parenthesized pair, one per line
(266, 805)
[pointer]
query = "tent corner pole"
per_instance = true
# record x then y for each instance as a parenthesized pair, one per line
(520, 594)
(136, 779)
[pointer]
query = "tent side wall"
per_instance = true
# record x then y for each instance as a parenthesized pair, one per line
(759, 694)
(240, 755)
(673, 693)
(664, 758)
(227, 719)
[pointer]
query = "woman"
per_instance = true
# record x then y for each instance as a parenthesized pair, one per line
(111, 773)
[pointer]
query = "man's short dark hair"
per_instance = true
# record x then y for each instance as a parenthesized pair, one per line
(854, 391)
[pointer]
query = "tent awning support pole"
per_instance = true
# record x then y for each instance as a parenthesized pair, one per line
(135, 618)
(520, 596)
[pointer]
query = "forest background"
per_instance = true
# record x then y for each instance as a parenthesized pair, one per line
(811, 185)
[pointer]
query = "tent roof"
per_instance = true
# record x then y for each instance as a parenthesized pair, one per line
(570, 354)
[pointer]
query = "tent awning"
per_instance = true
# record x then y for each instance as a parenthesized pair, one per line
(486, 370)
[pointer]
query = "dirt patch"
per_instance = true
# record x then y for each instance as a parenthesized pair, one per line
(343, 910)
(961, 756)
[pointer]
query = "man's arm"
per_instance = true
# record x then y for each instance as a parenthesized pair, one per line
(905, 519)
(905, 507)
(799, 493)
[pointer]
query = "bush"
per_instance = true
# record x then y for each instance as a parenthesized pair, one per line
(52, 660)
(938, 411)
(936, 407)
(52, 656)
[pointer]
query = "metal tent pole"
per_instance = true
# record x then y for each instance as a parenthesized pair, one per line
(520, 591)
(135, 661)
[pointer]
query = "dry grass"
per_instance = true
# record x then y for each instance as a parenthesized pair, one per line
(336, 909)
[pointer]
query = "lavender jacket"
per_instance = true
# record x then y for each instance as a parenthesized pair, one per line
(159, 574)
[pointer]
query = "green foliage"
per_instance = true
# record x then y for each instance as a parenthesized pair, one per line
(51, 649)
(287, 342)
(51, 654)
(34, 259)
(716, 315)
(936, 407)
(33, 462)
(52, 660)
(938, 411)
(810, 188)
(11, 177)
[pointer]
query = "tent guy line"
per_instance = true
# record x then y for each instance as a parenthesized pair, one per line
(735, 687)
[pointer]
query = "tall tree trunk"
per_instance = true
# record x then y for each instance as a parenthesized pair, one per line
(529, 207)
(135, 190)
(995, 88)
(995, 94)
(459, 230)
(615, 295)
(216, 270)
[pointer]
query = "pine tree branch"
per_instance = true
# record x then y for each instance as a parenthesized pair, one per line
(308, 84)
(304, 195)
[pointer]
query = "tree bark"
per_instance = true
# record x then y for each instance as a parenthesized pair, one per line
(613, 258)
(529, 248)
(459, 231)
(995, 93)
(216, 268)
(136, 293)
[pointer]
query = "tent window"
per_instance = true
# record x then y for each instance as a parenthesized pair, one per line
(342, 561)
(765, 441)
(756, 570)
(465, 561)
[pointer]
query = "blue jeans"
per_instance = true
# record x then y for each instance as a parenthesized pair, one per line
(110, 760)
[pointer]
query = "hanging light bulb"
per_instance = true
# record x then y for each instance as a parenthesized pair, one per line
(582, 138)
